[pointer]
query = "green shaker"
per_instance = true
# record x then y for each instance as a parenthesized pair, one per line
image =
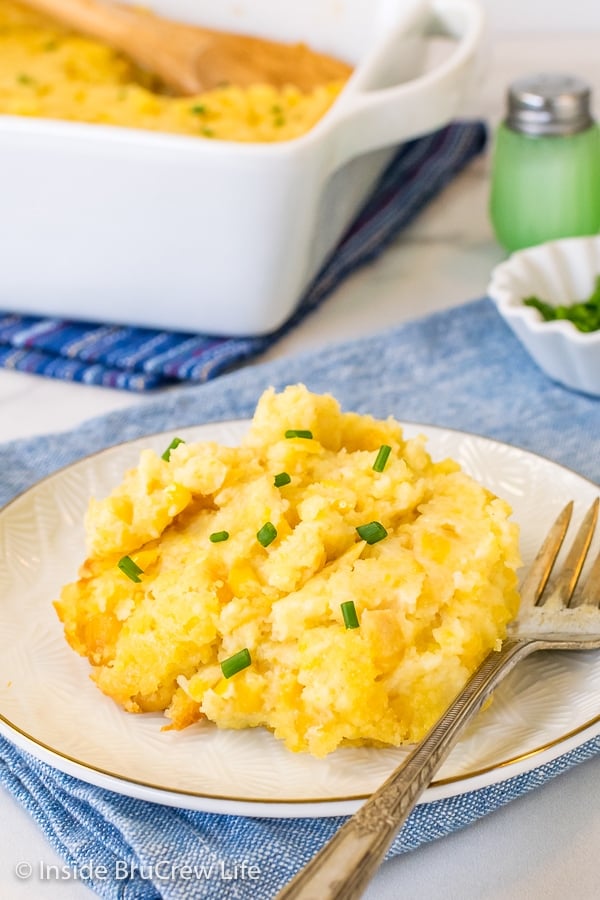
(546, 163)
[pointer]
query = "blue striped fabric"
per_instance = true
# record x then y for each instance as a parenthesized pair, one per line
(139, 359)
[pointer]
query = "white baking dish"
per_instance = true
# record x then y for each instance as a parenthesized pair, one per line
(134, 227)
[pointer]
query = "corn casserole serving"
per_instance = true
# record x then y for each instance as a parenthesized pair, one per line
(325, 579)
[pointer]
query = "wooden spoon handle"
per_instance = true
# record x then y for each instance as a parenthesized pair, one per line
(105, 21)
(166, 48)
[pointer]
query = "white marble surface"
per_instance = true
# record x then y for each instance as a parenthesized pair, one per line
(533, 16)
(545, 844)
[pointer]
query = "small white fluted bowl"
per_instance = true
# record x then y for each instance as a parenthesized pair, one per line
(559, 272)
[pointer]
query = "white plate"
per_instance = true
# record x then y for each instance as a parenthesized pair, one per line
(49, 706)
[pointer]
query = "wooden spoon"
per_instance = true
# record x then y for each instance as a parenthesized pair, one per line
(190, 59)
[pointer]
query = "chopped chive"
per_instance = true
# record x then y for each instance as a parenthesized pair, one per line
(372, 532)
(382, 457)
(130, 568)
(281, 479)
(267, 534)
(298, 432)
(237, 662)
(349, 614)
(217, 536)
(198, 109)
(584, 314)
(174, 443)
(208, 132)
(23, 78)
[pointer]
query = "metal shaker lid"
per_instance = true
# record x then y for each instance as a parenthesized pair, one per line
(549, 104)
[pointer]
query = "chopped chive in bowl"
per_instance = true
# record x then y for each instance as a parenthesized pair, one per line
(584, 314)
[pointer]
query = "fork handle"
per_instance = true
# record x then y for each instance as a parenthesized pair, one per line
(345, 865)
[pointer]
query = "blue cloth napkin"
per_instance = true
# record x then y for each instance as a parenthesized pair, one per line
(461, 368)
(139, 359)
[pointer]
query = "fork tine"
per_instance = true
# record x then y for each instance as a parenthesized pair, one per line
(590, 593)
(565, 585)
(537, 577)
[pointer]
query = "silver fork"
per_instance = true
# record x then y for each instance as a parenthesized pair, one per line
(559, 619)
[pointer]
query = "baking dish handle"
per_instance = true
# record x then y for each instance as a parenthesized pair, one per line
(369, 119)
